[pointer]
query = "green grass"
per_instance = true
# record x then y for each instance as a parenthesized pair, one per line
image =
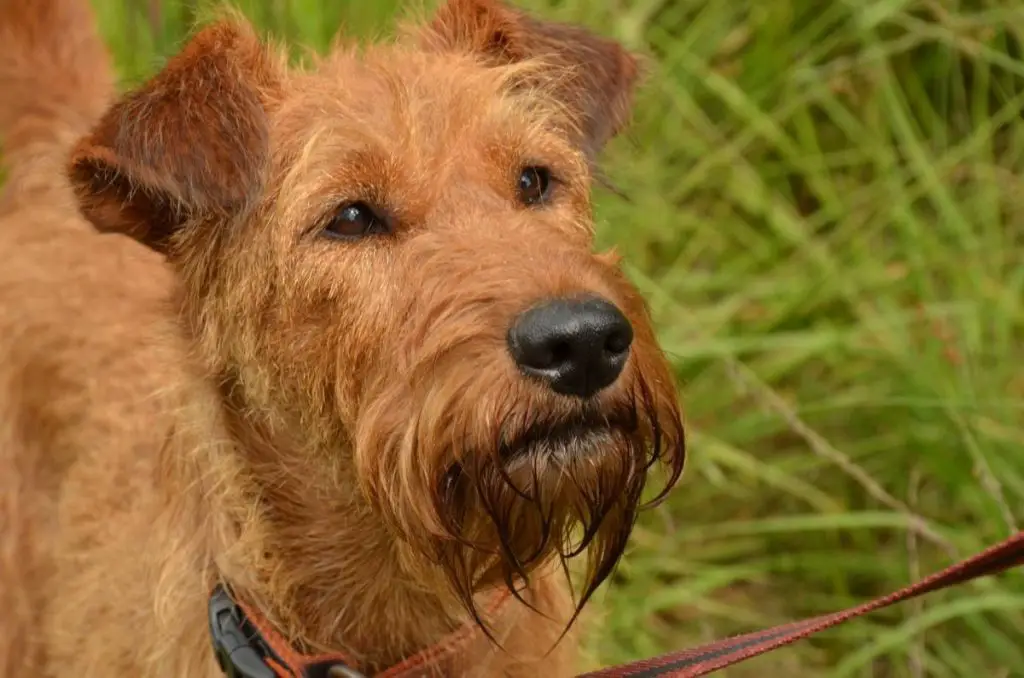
(825, 211)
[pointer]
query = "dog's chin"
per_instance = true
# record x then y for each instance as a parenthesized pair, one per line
(544, 480)
(566, 446)
(544, 452)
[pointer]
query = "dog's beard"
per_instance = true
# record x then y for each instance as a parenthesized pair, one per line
(491, 498)
(541, 498)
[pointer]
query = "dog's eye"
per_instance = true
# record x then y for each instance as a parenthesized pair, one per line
(355, 220)
(534, 185)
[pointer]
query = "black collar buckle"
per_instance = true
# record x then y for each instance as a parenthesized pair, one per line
(236, 644)
(242, 651)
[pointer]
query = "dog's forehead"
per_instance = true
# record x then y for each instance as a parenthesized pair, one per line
(438, 104)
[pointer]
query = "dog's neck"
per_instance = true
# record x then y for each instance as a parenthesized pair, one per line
(313, 556)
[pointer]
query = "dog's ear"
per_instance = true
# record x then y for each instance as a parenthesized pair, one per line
(191, 143)
(595, 77)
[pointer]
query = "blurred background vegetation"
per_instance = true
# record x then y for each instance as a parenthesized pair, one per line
(825, 209)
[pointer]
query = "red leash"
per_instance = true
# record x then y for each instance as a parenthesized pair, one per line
(700, 661)
(247, 647)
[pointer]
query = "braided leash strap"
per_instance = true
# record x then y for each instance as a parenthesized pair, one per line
(706, 659)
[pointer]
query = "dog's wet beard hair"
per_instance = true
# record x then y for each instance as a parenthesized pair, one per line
(504, 519)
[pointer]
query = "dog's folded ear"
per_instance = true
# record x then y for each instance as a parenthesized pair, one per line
(594, 77)
(190, 144)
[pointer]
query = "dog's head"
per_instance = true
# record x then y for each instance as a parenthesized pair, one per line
(389, 257)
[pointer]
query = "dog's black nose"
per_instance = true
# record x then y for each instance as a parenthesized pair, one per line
(577, 346)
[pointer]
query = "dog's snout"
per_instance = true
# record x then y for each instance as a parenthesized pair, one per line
(577, 346)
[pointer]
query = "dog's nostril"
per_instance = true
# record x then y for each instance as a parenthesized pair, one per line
(618, 342)
(561, 352)
(577, 346)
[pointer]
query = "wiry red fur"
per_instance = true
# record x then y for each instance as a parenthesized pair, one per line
(321, 424)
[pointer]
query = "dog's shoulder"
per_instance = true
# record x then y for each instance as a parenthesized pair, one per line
(85, 335)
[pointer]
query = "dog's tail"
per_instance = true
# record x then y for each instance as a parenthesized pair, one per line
(56, 81)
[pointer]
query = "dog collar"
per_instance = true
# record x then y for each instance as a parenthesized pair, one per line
(246, 646)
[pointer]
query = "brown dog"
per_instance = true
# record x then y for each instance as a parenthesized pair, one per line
(366, 371)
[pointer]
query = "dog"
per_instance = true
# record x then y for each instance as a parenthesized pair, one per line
(323, 355)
